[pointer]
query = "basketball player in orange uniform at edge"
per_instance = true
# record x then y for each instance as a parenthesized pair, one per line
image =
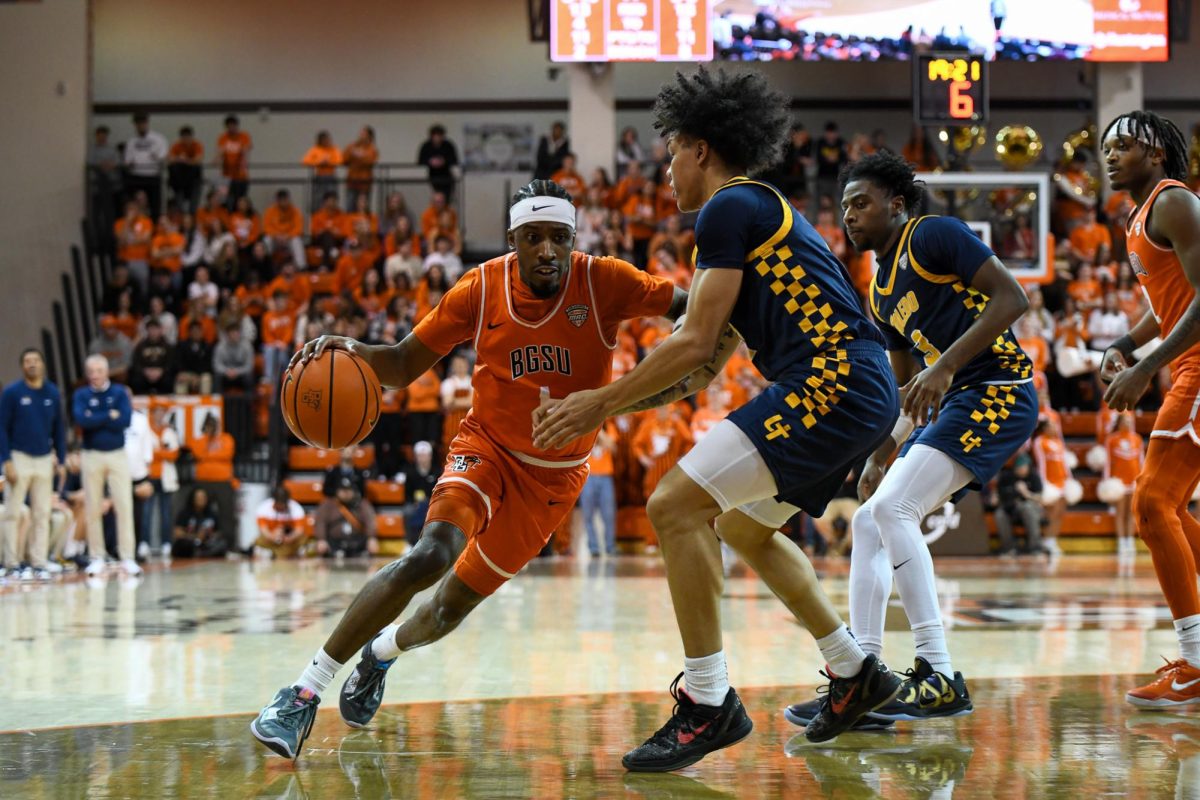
(543, 320)
(1147, 156)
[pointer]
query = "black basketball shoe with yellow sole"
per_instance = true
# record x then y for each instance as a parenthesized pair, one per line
(927, 694)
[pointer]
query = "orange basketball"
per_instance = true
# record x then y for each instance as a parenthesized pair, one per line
(332, 401)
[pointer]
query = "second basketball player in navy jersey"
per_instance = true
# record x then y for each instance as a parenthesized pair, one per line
(762, 269)
(945, 305)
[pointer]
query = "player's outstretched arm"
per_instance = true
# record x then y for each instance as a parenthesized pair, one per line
(1176, 220)
(697, 381)
(1006, 303)
(710, 304)
(395, 365)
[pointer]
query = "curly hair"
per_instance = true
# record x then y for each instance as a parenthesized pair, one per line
(740, 116)
(891, 173)
(1167, 135)
(539, 187)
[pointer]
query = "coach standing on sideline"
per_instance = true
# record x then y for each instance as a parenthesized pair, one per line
(31, 426)
(103, 410)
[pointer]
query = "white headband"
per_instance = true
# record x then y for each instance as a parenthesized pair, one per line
(1126, 127)
(542, 209)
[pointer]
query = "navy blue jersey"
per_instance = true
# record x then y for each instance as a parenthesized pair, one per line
(923, 301)
(796, 302)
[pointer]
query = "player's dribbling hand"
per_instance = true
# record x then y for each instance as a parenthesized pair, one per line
(870, 479)
(1126, 388)
(923, 394)
(314, 348)
(568, 419)
(1113, 363)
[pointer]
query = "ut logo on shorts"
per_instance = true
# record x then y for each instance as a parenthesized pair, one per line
(970, 440)
(776, 428)
(464, 463)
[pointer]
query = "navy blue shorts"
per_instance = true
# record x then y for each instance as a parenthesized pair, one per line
(820, 420)
(981, 427)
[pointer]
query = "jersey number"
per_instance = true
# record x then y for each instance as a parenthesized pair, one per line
(931, 353)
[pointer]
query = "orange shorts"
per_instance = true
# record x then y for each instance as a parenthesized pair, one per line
(1178, 415)
(507, 508)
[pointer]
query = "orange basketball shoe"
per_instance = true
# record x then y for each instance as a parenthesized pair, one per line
(1177, 684)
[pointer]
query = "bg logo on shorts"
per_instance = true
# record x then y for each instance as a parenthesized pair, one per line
(464, 463)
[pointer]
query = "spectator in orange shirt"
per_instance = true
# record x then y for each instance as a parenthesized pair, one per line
(278, 327)
(599, 494)
(198, 313)
(601, 184)
(360, 158)
(134, 233)
(1126, 455)
(1085, 290)
(252, 295)
(233, 149)
(214, 208)
(283, 226)
(431, 216)
(245, 226)
(372, 296)
(166, 252)
(660, 441)
(214, 452)
(295, 285)
(715, 409)
(185, 174)
(351, 266)
(569, 179)
(422, 404)
(327, 228)
(629, 186)
(430, 291)
(641, 217)
(1029, 336)
(361, 215)
(457, 397)
(1091, 242)
(323, 159)
(1074, 196)
(831, 231)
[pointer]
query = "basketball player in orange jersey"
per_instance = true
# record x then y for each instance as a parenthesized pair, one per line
(1147, 156)
(543, 320)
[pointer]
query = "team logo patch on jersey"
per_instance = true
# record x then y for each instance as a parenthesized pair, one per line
(464, 463)
(1135, 262)
(903, 262)
(312, 398)
(577, 314)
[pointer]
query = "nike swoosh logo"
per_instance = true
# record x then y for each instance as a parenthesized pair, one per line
(493, 325)
(538, 208)
(838, 708)
(901, 564)
(686, 737)
(1189, 627)
(1179, 687)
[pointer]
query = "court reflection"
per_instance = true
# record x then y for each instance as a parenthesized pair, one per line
(1067, 737)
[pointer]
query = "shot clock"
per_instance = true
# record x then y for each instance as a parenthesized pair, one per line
(950, 89)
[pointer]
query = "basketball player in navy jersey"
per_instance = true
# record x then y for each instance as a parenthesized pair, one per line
(764, 270)
(945, 305)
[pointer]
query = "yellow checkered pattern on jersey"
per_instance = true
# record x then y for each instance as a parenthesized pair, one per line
(994, 406)
(802, 299)
(822, 391)
(1005, 348)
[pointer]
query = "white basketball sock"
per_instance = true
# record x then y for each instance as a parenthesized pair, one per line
(842, 653)
(870, 581)
(707, 678)
(930, 639)
(1188, 630)
(384, 647)
(319, 673)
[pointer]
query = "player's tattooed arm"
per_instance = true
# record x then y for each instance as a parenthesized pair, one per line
(695, 382)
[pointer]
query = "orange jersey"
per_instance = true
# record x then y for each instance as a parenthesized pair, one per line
(1159, 272)
(1126, 452)
(283, 224)
(524, 343)
(1050, 454)
(133, 241)
(278, 329)
(168, 247)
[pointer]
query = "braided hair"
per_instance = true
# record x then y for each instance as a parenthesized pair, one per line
(540, 187)
(891, 173)
(1164, 134)
(738, 113)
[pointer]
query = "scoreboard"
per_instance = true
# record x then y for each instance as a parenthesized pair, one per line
(630, 30)
(950, 89)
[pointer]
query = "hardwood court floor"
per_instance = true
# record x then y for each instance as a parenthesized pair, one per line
(147, 689)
